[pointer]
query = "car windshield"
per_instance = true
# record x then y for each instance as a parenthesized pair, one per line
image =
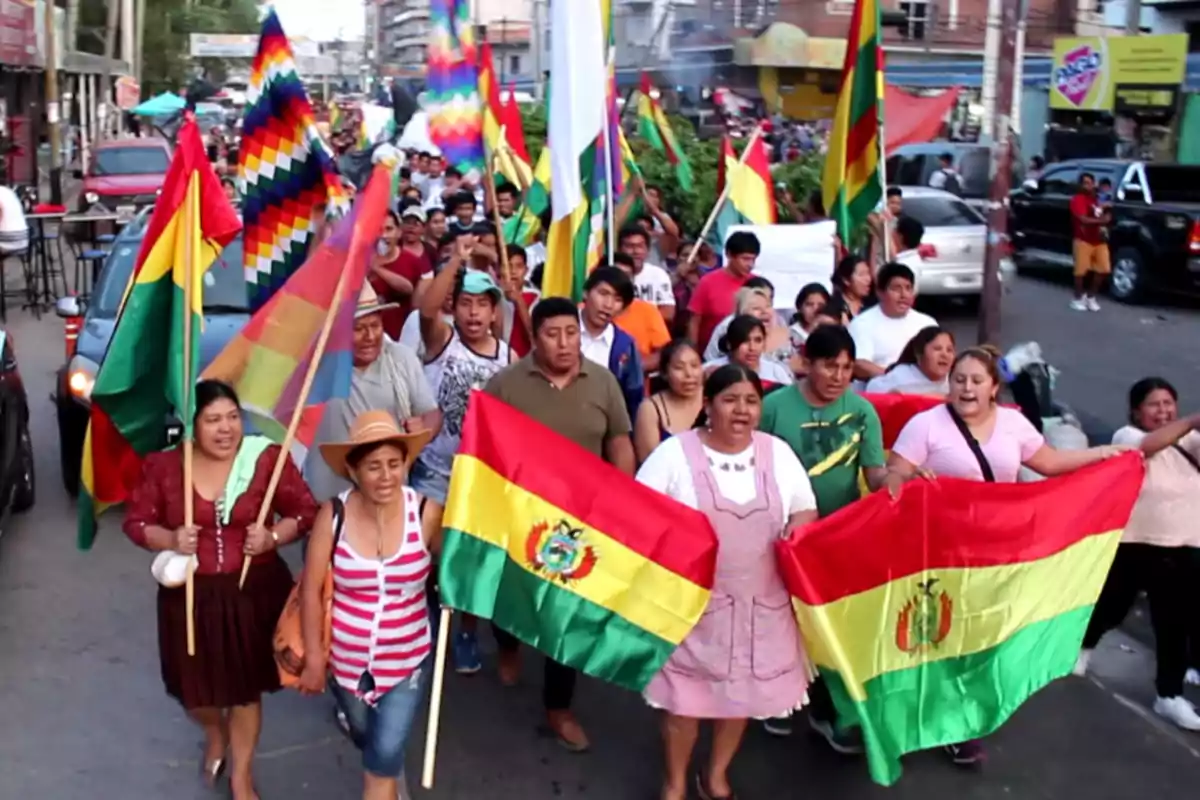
(941, 212)
(130, 161)
(224, 283)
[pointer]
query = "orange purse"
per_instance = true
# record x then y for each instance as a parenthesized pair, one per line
(289, 634)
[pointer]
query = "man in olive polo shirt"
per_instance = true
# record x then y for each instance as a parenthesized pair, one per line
(559, 388)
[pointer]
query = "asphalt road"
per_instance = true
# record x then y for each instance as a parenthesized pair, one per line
(83, 714)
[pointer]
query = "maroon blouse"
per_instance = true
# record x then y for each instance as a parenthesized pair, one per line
(158, 500)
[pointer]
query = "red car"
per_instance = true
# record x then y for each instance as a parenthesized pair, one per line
(125, 175)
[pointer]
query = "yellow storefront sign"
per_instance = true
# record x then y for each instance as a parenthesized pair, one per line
(1088, 69)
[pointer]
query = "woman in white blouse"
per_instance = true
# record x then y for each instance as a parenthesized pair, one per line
(744, 659)
(923, 366)
(1160, 549)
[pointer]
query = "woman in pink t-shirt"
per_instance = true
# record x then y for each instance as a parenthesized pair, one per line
(974, 438)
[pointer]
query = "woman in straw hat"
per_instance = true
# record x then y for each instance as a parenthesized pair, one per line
(221, 685)
(376, 537)
(387, 376)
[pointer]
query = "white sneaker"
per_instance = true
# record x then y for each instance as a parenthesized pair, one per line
(1092, 305)
(1192, 677)
(1178, 711)
(1079, 304)
(1081, 663)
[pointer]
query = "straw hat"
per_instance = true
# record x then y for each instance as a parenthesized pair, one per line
(368, 302)
(374, 427)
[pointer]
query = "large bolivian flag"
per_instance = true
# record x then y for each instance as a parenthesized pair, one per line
(934, 617)
(535, 542)
(141, 380)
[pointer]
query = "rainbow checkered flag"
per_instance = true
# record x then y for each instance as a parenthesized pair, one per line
(286, 171)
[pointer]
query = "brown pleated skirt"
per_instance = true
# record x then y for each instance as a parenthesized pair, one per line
(233, 664)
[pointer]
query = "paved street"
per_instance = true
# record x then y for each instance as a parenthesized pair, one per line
(84, 714)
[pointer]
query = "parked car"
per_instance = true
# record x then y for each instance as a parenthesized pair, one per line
(226, 311)
(913, 164)
(1154, 239)
(124, 176)
(17, 483)
(958, 235)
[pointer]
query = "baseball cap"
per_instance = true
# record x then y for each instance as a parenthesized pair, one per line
(476, 282)
(414, 211)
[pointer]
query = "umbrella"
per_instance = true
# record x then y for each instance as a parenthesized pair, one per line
(165, 103)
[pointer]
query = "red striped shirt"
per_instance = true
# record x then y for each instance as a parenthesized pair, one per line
(380, 611)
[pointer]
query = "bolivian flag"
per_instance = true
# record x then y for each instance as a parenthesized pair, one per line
(935, 616)
(147, 372)
(566, 553)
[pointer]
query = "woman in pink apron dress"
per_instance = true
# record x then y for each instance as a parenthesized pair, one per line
(744, 659)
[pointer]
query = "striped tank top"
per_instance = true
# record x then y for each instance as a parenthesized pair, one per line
(381, 630)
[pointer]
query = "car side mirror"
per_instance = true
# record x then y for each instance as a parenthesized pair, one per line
(69, 306)
(1031, 185)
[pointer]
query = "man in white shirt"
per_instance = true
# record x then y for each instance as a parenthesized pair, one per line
(880, 333)
(651, 282)
(605, 295)
(14, 231)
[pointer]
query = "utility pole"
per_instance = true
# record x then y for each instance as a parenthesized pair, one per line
(1011, 18)
(539, 40)
(139, 42)
(503, 52)
(52, 109)
(1133, 17)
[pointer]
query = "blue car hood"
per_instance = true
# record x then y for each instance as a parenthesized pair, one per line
(219, 329)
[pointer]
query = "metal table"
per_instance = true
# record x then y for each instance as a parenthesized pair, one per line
(41, 256)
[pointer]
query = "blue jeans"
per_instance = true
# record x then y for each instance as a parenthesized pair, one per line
(381, 730)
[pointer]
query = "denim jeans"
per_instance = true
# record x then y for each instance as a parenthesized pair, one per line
(381, 730)
(429, 482)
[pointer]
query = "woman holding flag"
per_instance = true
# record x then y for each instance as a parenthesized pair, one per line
(973, 438)
(221, 685)
(744, 659)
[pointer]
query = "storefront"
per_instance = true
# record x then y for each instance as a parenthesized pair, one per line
(797, 74)
(21, 91)
(1117, 96)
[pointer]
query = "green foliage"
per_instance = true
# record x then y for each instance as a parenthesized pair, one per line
(690, 209)
(168, 66)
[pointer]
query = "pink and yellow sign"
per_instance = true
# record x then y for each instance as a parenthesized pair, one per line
(1088, 69)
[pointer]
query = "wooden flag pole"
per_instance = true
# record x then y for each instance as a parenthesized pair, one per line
(712, 218)
(191, 246)
(298, 412)
(435, 700)
(489, 183)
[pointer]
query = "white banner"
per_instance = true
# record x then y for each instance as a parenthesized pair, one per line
(793, 256)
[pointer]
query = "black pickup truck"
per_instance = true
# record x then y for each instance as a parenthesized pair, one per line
(1154, 239)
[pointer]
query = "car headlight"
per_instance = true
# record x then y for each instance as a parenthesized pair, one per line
(91, 198)
(81, 377)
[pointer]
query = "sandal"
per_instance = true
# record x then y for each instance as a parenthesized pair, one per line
(211, 772)
(702, 790)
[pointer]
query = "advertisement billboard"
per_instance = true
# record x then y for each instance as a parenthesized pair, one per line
(18, 34)
(238, 45)
(1087, 70)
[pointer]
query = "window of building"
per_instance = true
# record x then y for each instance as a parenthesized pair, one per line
(514, 65)
(917, 21)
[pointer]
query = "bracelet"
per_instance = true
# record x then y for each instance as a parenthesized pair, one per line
(275, 537)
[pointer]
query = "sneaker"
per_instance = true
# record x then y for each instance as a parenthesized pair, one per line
(1079, 304)
(778, 726)
(848, 743)
(967, 754)
(1092, 304)
(1178, 711)
(1082, 663)
(466, 654)
(1192, 678)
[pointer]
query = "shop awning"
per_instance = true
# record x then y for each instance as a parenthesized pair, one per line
(786, 46)
(165, 103)
(912, 119)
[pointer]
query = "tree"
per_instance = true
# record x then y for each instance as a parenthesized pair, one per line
(167, 63)
(691, 209)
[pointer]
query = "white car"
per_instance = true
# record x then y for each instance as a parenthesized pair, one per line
(958, 233)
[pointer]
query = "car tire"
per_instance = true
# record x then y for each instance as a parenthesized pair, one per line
(1128, 280)
(25, 492)
(70, 451)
